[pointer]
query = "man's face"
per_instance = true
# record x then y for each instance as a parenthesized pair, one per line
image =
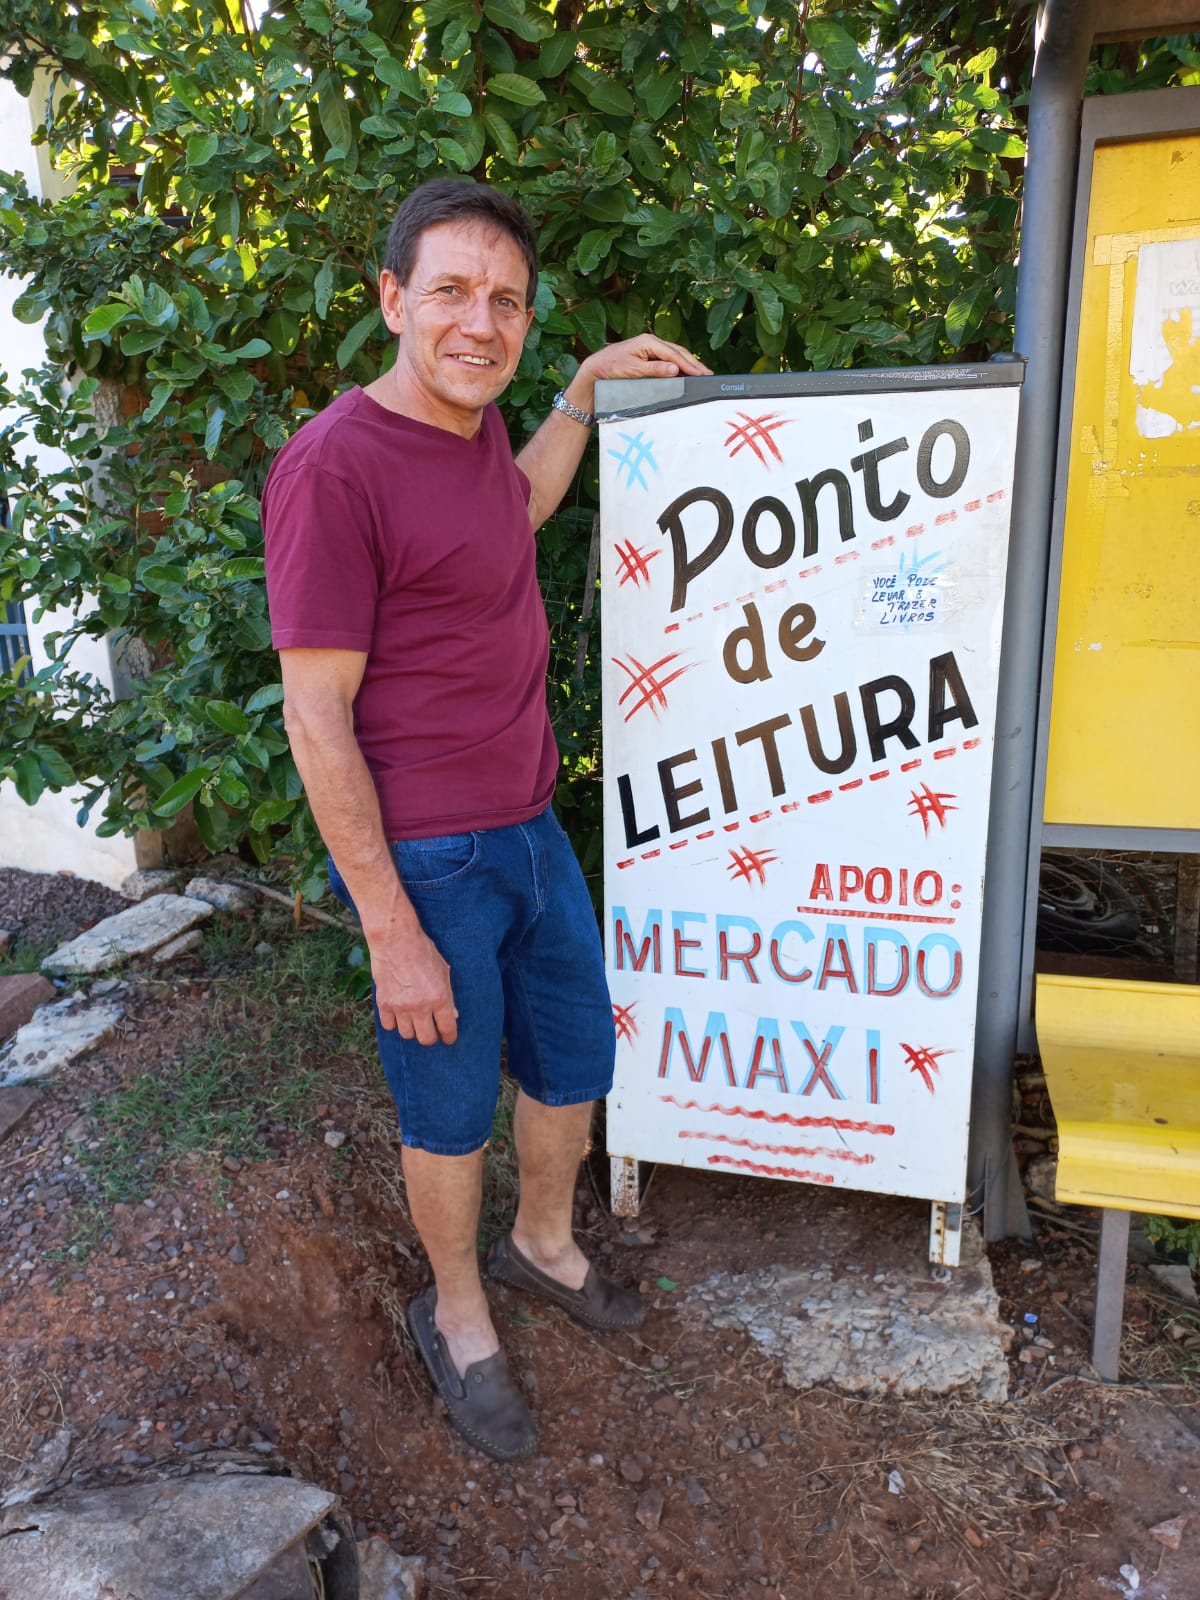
(460, 322)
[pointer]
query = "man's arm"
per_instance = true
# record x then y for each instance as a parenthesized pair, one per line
(554, 452)
(412, 982)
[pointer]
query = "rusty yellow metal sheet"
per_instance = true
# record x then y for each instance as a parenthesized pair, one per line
(1122, 1064)
(1124, 751)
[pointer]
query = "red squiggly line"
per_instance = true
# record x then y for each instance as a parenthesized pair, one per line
(843, 1123)
(770, 1172)
(820, 1152)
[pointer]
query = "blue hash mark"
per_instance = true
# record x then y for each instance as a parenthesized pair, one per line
(638, 453)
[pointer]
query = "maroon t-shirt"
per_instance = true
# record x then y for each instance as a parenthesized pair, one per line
(412, 544)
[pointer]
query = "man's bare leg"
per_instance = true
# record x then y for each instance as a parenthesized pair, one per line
(444, 1196)
(550, 1142)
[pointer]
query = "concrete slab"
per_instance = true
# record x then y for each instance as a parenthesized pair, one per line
(136, 1540)
(136, 931)
(57, 1034)
(905, 1330)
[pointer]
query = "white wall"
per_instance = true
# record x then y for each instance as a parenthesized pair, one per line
(45, 837)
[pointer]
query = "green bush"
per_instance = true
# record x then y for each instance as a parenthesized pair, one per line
(778, 188)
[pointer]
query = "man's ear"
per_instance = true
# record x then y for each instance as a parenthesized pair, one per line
(391, 301)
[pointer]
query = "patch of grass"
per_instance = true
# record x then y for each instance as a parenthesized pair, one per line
(23, 957)
(277, 1022)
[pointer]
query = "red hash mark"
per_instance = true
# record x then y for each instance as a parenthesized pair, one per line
(756, 431)
(924, 1062)
(928, 804)
(770, 1172)
(635, 563)
(818, 1152)
(645, 680)
(783, 1117)
(625, 1022)
(747, 864)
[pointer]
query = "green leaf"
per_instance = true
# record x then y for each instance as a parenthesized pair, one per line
(269, 695)
(820, 124)
(964, 312)
(667, 1285)
(29, 308)
(251, 350)
(243, 567)
(334, 114)
(659, 93)
(512, 86)
(557, 53)
(138, 340)
(29, 778)
(214, 422)
(173, 800)
(201, 148)
(503, 136)
(511, 18)
(56, 769)
(453, 104)
(833, 44)
(357, 337)
(592, 249)
(271, 812)
(323, 288)
(103, 320)
(162, 579)
(611, 97)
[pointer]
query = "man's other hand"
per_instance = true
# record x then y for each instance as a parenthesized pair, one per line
(645, 356)
(412, 988)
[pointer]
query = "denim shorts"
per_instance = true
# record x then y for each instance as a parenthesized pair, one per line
(509, 911)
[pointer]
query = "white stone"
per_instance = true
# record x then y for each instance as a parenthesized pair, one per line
(136, 931)
(184, 945)
(146, 881)
(908, 1337)
(56, 1034)
(224, 896)
(1177, 1277)
(384, 1575)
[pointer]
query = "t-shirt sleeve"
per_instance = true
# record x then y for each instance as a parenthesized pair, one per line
(322, 573)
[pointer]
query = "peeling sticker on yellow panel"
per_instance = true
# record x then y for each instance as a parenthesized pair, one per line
(1164, 348)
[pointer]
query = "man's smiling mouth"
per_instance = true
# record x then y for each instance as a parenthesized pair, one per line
(475, 361)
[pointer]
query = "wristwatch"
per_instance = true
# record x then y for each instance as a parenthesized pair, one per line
(561, 403)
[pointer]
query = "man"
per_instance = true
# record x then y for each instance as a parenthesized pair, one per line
(414, 647)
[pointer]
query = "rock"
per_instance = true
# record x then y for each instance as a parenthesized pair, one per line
(899, 1334)
(1169, 1533)
(631, 1469)
(14, 1103)
(146, 881)
(57, 1034)
(221, 896)
(183, 946)
(238, 1254)
(136, 931)
(650, 1509)
(21, 993)
(1041, 1175)
(1177, 1277)
(385, 1575)
(1131, 1575)
(334, 1139)
(697, 1495)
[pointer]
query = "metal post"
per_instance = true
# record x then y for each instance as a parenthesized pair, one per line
(1110, 1293)
(1065, 36)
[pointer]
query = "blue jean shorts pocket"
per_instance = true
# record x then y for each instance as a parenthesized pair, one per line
(436, 862)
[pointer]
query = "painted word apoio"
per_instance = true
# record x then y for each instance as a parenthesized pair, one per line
(701, 521)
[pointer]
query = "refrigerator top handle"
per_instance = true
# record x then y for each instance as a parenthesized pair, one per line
(639, 397)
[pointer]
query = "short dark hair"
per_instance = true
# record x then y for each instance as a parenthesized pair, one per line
(457, 200)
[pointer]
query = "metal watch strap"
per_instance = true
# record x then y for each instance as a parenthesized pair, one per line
(561, 403)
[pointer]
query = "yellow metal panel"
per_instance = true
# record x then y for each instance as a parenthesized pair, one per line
(1125, 711)
(1122, 1063)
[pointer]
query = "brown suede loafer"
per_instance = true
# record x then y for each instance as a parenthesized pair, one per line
(484, 1404)
(601, 1304)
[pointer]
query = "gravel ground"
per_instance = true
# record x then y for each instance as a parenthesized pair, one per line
(44, 908)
